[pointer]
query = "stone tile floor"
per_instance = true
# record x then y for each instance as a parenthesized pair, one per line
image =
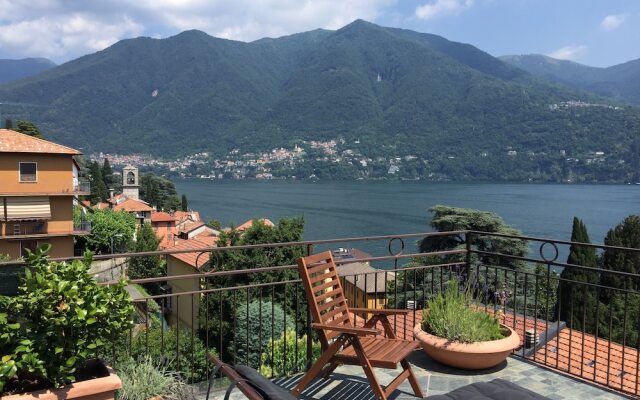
(349, 382)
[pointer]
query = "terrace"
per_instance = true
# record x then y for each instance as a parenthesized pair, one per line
(593, 354)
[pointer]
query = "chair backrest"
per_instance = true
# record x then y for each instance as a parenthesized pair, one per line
(327, 302)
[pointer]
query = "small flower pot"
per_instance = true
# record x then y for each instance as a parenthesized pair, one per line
(93, 389)
(477, 355)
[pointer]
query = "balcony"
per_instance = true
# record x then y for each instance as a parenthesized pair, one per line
(82, 187)
(592, 353)
(81, 227)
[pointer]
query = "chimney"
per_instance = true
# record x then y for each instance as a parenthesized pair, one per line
(111, 195)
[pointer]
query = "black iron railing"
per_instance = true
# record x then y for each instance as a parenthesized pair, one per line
(246, 303)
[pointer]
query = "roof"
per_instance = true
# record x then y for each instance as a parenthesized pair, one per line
(248, 224)
(190, 226)
(16, 142)
(160, 216)
(370, 279)
(133, 205)
(196, 259)
(185, 215)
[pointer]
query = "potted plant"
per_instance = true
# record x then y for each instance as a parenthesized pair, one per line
(459, 335)
(54, 330)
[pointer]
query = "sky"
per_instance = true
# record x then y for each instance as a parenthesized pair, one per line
(593, 32)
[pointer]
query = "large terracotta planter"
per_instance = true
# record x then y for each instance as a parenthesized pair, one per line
(478, 355)
(93, 389)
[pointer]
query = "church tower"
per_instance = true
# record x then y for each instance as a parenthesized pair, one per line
(130, 185)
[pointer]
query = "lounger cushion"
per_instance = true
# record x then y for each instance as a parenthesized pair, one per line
(268, 389)
(497, 389)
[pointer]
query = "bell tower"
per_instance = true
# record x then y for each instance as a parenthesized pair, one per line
(130, 185)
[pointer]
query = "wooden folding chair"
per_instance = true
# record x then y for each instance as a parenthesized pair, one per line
(344, 343)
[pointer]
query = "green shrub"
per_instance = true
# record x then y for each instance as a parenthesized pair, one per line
(143, 380)
(60, 319)
(449, 315)
(159, 345)
(273, 320)
(291, 362)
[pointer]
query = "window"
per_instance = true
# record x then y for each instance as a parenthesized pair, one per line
(131, 178)
(28, 172)
(16, 229)
(31, 245)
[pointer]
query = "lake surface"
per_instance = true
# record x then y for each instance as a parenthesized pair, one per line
(348, 209)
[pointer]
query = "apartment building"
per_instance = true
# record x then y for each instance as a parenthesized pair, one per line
(39, 181)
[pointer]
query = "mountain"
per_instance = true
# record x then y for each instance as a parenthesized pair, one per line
(11, 70)
(621, 81)
(395, 92)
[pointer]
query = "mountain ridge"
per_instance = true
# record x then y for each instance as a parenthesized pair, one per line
(399, 92)
(620, 81)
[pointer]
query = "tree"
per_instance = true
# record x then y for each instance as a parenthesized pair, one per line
(146, 267)
(287, 230)
(577, 298)
(8, 124)
(264, 323)
(416, 284)
(617, 309)
(159, 191)
(28, 128)
(107, 174)
(215, 224)
(184, 203)
(447, 218)
(110, 227)
(98, 189)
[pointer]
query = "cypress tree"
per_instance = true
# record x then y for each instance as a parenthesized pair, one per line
(577, 300)
(184, 203)
(620, 311)
(98, 189)
(107, 174)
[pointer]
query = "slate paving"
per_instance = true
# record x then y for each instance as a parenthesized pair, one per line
(349, 382)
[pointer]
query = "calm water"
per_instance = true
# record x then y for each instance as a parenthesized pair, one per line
(347, 209)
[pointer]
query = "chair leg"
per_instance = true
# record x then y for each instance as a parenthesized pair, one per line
(327, 371)
(316, 368)
(368, 369)
(412, 379)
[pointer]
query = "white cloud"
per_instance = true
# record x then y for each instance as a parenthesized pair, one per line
(611, 22)
(442, 7)
(569, 52)
(59, 37)
(62, 29)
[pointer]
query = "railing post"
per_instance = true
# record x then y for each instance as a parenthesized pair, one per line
(467, 269)
(309, 331)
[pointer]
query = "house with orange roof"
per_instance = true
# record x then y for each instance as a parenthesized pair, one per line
(187, 263)
(248, 224)
(39, 181)
(164, 225)
(139, 208)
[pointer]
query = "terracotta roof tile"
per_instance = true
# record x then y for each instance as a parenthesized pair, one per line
(16, 142)
(248, 224)
(160, 216)
(196, 259)
(133, 205)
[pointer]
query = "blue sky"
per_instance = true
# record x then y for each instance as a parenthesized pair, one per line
(593, 32)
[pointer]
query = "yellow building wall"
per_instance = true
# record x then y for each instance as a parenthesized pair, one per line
(61, 247)
(184, 309)
(54, 173)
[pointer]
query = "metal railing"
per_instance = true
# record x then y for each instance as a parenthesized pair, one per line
(82, 226)
(247, 304)
(82, 186)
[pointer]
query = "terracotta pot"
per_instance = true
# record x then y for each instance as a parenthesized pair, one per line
(478, 355)
(93, 389)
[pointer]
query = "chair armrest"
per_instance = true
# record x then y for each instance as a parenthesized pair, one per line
(379, 311)
(347, 329)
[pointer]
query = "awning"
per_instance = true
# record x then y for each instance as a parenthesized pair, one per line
(28, 208)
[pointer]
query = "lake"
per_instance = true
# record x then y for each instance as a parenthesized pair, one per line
(367, 208)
